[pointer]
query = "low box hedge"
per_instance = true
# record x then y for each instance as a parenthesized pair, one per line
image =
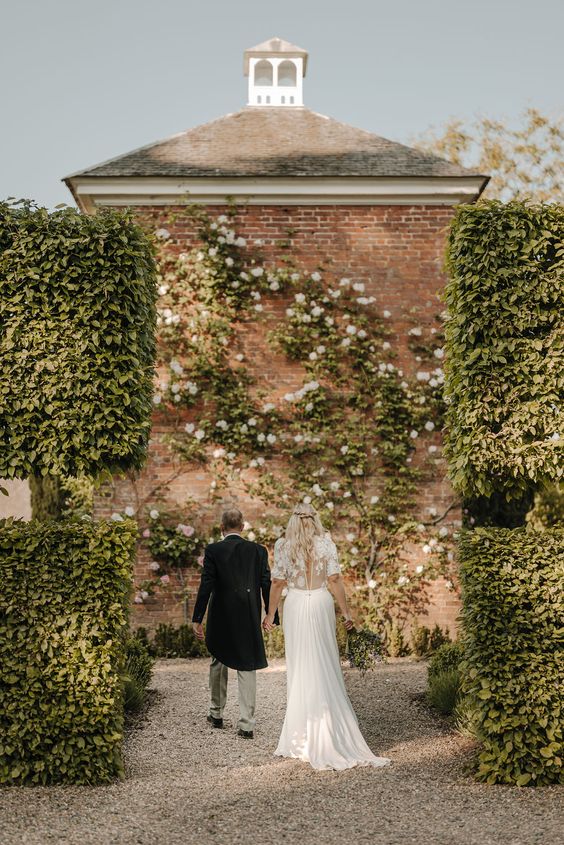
(77, 341)
(513, 644)
(64, 596)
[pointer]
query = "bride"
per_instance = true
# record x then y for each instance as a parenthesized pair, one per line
(320, 726)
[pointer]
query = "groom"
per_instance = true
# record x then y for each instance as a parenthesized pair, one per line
(234, 575)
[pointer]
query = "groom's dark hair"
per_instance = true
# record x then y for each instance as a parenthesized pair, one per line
(231, 519)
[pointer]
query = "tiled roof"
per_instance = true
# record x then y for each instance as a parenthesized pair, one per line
(280, 141)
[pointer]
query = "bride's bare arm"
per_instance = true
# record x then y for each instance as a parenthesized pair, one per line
(275, 593)
(337, 587)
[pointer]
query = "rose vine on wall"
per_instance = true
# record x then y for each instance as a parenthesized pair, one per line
(344, 440)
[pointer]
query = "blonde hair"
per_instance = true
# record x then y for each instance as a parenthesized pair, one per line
(303, 526)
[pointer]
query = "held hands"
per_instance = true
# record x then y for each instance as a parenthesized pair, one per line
(268, 623)
(198, 630)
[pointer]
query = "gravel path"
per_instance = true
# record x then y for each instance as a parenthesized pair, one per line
(188, 783)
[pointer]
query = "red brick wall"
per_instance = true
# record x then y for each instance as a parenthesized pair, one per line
(397, 251)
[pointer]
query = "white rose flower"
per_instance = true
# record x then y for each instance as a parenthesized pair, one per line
(153, 513)
(274, 285)
(386, 346)
(258, 307)
(354, 550)
(307, 500)
(316, 311)
(351, 329)
(372, 583)
(239, 357)
(347, 494)
(252, 536)
(391, 518)
(199, 434)
(218, 453)
(443, 531)
(345, 283)
(189, 428)
(344, 450)
(320, 349)
(260, 461)
(334, 485)
(402, 580)
(157, 399)
(419, 569)
(229, 261)
(439, 353)
(290, 312)
(289, 397)
(358, 287)
(244, 428)
(374, 500)
(257, 272)
(240, 241)
(212, 251)
(429, 425)
(268, 407)
(261, 437)
(361, 334)
(163, 289)
(413, 434)
(350, 537)
(309, 407)
(271, 438)
(129, 511)
(415, 332)
(316, 277)
(299, 297)
(432, 449)
(387, 314)
(423, 376)
(426, 549)
(346, 341)
(222, 424)
(253, 463)
(154, 566)
(117, 517)
(313, 356)
(175, 388)
(335, 294)
(329, 505)
(163, 234)
(295, 277)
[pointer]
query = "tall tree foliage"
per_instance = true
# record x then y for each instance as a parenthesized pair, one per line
(525, 160)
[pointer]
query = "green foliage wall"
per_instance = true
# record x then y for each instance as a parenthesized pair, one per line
(513, 643)
(64, 592)
(77, 347)
(504, 371)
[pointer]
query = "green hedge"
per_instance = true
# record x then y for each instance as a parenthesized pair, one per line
(513, 642)
(504, 372)
(64, 594)
(77, 341)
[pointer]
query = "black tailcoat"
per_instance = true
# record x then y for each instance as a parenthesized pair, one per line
(234, 575)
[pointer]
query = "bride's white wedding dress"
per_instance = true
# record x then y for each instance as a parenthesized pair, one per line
(320, 725)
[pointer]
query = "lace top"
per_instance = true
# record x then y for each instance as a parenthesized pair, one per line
(307, 575)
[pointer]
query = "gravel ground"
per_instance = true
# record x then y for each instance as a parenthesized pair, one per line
(187, 783)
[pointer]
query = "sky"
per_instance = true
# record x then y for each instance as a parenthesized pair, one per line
(85, 80)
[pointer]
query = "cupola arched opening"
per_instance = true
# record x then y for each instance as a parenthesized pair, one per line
(263, 73)
(287, 74)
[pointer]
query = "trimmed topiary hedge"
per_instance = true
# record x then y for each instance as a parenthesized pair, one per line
(504, 372)
(513, 643)
(77, 341)
(64, 594)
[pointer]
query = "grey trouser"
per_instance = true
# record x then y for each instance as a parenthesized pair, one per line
(247, 682)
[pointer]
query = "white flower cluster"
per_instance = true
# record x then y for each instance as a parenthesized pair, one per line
(198, 433)
(303, 391)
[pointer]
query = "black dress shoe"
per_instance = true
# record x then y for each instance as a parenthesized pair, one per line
(216, 723)
(245, 734)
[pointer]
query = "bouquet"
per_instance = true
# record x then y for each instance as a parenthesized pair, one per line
(364, 649)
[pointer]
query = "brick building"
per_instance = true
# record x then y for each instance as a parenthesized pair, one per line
(356, 203)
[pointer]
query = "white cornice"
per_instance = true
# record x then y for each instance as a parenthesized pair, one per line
(92, 192)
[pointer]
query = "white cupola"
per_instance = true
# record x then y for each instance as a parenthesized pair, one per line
(276, 70)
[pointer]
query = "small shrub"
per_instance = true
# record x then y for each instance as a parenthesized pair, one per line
(443, 690)
(446, 659)
(274, 643)
(395, 643)
(171, 641)
(420, 635)
(137, 673)
(438, 637)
